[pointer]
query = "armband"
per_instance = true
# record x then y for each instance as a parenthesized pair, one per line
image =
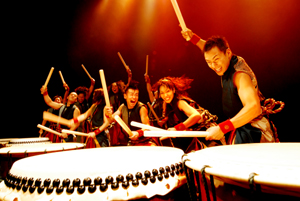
(75, 120)
(141, 133)
(195, 39)
(226, 126)
(45, 93)
(97, 131)
(180, 127)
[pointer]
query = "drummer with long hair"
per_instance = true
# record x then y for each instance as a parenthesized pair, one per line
(180, 109)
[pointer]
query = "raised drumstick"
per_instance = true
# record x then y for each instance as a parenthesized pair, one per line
(106, 97)
(145, 126)
(123, 125)
(146, 65)
(86, 71)
(49, 76)
(127, 68)
(54, 118)
(179, 15)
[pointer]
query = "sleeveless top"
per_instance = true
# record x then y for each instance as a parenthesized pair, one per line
(133, 114)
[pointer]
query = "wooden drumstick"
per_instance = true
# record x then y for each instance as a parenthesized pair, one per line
(80, 134)
(146, 65)
(127, 68)
(86, 72)
(179, 15)
(49, 76)
(153, 112)
(175, 133)
(145, 126)
(54, 118)
(48, 129)
(104, 87)
(123, 125)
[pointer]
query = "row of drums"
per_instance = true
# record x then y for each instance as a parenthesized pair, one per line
(35, 169)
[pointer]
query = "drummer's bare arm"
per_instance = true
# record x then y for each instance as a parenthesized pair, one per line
(48, 100)
(82, 117)
(192, 113)
(91, 89)
(190, 36)
(129, 73)
(251, 106)
(66, 92)
(75, 116)
(145, 120)
(148, 86)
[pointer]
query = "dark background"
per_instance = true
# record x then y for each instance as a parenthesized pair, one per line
(65, 34)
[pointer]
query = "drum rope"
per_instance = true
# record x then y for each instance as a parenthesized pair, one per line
(184, 167)
(254, 189)
(205, 183)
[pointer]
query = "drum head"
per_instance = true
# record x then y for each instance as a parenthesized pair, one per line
(275, 165)
(111, 173)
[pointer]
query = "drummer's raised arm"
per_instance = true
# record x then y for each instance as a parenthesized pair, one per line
(48, 100)
(193, 38)
(91, 89)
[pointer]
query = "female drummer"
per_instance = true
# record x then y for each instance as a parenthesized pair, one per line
(98, 121)
(180, 110)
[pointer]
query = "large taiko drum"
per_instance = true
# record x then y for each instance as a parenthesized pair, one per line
(10, 154)
(5, 141)
(25, 141)
(245, 171)
(110, 173)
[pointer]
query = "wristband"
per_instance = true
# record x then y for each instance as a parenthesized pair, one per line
(75, 120)
(45, 93)
(141, 133)
(226, 126)
(180, 127)
(97, 131)
(195, 39)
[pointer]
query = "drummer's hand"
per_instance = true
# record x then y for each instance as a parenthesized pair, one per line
(92, 81)
(172, 129)
(92, 134)
(43, 89)
(187, 35)
(135, 135)
(129, 72)
(65, 85)
(147, 78)
(64, 135)
(214, 133)
(41, 132)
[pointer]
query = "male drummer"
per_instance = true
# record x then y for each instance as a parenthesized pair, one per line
(67, 111)
(240, 94)
(134, 110)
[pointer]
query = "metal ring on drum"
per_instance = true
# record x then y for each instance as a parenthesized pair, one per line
(244, 172)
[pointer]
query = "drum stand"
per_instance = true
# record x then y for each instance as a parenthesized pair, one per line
(194, 185)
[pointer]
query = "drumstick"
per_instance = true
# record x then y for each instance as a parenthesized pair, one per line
(48, 129)
(62, 78)
(54, 118)
(48, 78)
(127, 68)
(179, 15)
(106, 97)
(74, 132)
(146, 65)
(153, 112)
(86, 71)
(175, 133)
(145, 126)
(123, 125)
(81, 134)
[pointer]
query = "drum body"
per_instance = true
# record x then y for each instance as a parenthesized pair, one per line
(266, 169)
(25, 141)
(110, 173)
(10, 154)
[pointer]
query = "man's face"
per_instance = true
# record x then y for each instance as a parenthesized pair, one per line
(131, 97)
(217, 60)
(72, 98)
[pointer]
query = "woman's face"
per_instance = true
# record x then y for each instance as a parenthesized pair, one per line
(114, 88)
(166, 93)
